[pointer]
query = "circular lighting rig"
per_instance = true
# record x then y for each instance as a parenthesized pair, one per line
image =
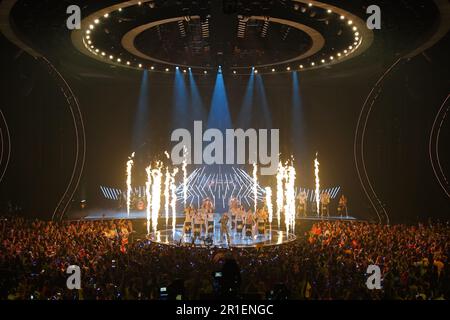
(94, 39)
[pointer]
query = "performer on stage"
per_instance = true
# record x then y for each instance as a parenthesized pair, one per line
(208, 205)
(197, 225)
(210, 223)
(240, 215)
(203, 221)
(249, 221)
(325, 201)
(233, 211)
(224, 227)
(342, 206)
(261, 222)
(187, 230)
(302, 197)
(233, 203)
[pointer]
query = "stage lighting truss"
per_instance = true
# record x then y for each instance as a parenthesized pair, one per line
(128, 56)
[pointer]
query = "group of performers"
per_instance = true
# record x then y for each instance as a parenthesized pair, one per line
(245, 224)
(325, 199)
(199, 221)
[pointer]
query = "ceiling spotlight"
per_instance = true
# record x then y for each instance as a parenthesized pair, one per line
(350, 22)
(331, 58)
(355, 28)
(106, 15)
(329, 11)
(234, 72)
(323, 60)
(342, 17)
(139, 3)
(184, 71)
(350, 47)
(288, 68)
(88, 31)
(345, 51)
(167, 69)
(91, 26)
(205, 72)
(177, 67)
(88, 37)
(128, 63)
(96, 50)
(189, 68)
(140, 65)
(96, 21)
(120, 9)
(152, 68)
(310, 4)
(273, 70)
(256, 71)
(339, 54)
(103, 54)
(89, 41)
(356, 33)
(119, 60)
(111, 57)
(301, 66)
(313, 64)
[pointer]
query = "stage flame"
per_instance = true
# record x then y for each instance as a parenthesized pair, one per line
(167, 195)
(289, 211)
(280, 192)
(316, 172)
(255, 185)
(184, 176)
(269, 203)
(173, 203)
(292, 177)
(129, 168)
(156, 195)
(148, 185)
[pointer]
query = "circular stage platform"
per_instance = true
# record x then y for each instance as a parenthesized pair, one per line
(270, 238)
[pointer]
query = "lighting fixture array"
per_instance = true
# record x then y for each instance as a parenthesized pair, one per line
(310, 64)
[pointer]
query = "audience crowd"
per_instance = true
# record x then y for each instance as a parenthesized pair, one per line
(329, 261)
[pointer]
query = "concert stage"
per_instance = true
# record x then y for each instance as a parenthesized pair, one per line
(270, 238)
